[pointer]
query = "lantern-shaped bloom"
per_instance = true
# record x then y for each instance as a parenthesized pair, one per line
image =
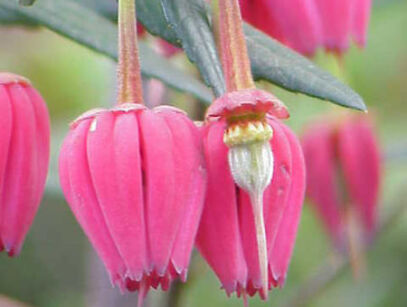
(305, 25)
(255, 191)
(135, 180)
(24, 157)
(343, 175)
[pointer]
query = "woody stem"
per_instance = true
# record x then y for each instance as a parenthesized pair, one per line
(233, 48)
(128, 72)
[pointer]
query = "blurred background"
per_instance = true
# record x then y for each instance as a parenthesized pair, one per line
(57, 266)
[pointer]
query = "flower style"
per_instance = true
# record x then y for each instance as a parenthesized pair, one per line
(343, 175)
(135, 179)
(24, 157)
(305, 25)
(256, 175)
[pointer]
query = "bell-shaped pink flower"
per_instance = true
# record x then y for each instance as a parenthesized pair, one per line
(343, 174)
(227, 236)
(135, 180)
(306, 25)
(24, 157)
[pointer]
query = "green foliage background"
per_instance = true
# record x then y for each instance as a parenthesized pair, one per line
(53, 268)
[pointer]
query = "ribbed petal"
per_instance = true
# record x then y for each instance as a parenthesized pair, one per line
(5, 137)
(336, 19)
(20, 195)
(298, 22)
(78, 189)
(163, 213)
(319, 151)
(360, 20)
(360, 158)
(190, 187)
(219, 238)
(113, 152)
(284, 244)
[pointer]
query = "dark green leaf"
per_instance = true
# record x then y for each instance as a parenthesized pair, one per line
(274, 62)
(26, 2)
(95, 31)
(186, 23)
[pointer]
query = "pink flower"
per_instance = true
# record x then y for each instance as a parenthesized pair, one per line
(343, 174)
(227, 236)
(134, 179)
(305, 25)
(24, 157)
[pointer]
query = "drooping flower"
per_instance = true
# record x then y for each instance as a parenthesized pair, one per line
(238, 173)
(135, 179)
(256, 175)
(24, 157)
(306, 25)
(343, 175)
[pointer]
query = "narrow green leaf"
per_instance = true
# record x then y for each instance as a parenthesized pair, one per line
(186, 23)
(84, 26)
(26, 2)
(274, 62)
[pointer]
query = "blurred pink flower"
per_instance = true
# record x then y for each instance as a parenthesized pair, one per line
(24, 157)
(343, 174)
(135, 180)
(306, 25)
(227, 236)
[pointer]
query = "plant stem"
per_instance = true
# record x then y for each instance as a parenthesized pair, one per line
(233, 47)
(128, 72)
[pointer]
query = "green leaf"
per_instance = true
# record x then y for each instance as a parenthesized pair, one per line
(186, 23)
(26, 2)
(274, 62)
(84, 26)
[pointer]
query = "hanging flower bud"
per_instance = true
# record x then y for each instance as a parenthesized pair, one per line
(305, 25)
(343, 175)
(134, 179)
(24, 157)
(249, 225)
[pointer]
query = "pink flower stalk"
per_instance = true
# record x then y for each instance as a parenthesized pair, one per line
(24, 157)
(306, 25)
(343, 175)
(228, 235)
(135, 179)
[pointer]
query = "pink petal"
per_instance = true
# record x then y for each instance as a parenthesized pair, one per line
(298, 22)
(163, 213)
(360, 157)
(284, 244)
(27, 166)
(113, 153)
(190, 188)
(360, 20)
(319, 151)
(336, 19)
(219, 236)
(78, 188)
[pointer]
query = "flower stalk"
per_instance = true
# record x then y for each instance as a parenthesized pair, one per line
(128, 72)
(233, 47)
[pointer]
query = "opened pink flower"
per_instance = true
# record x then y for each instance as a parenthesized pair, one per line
(247, 241)
(24, 157)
